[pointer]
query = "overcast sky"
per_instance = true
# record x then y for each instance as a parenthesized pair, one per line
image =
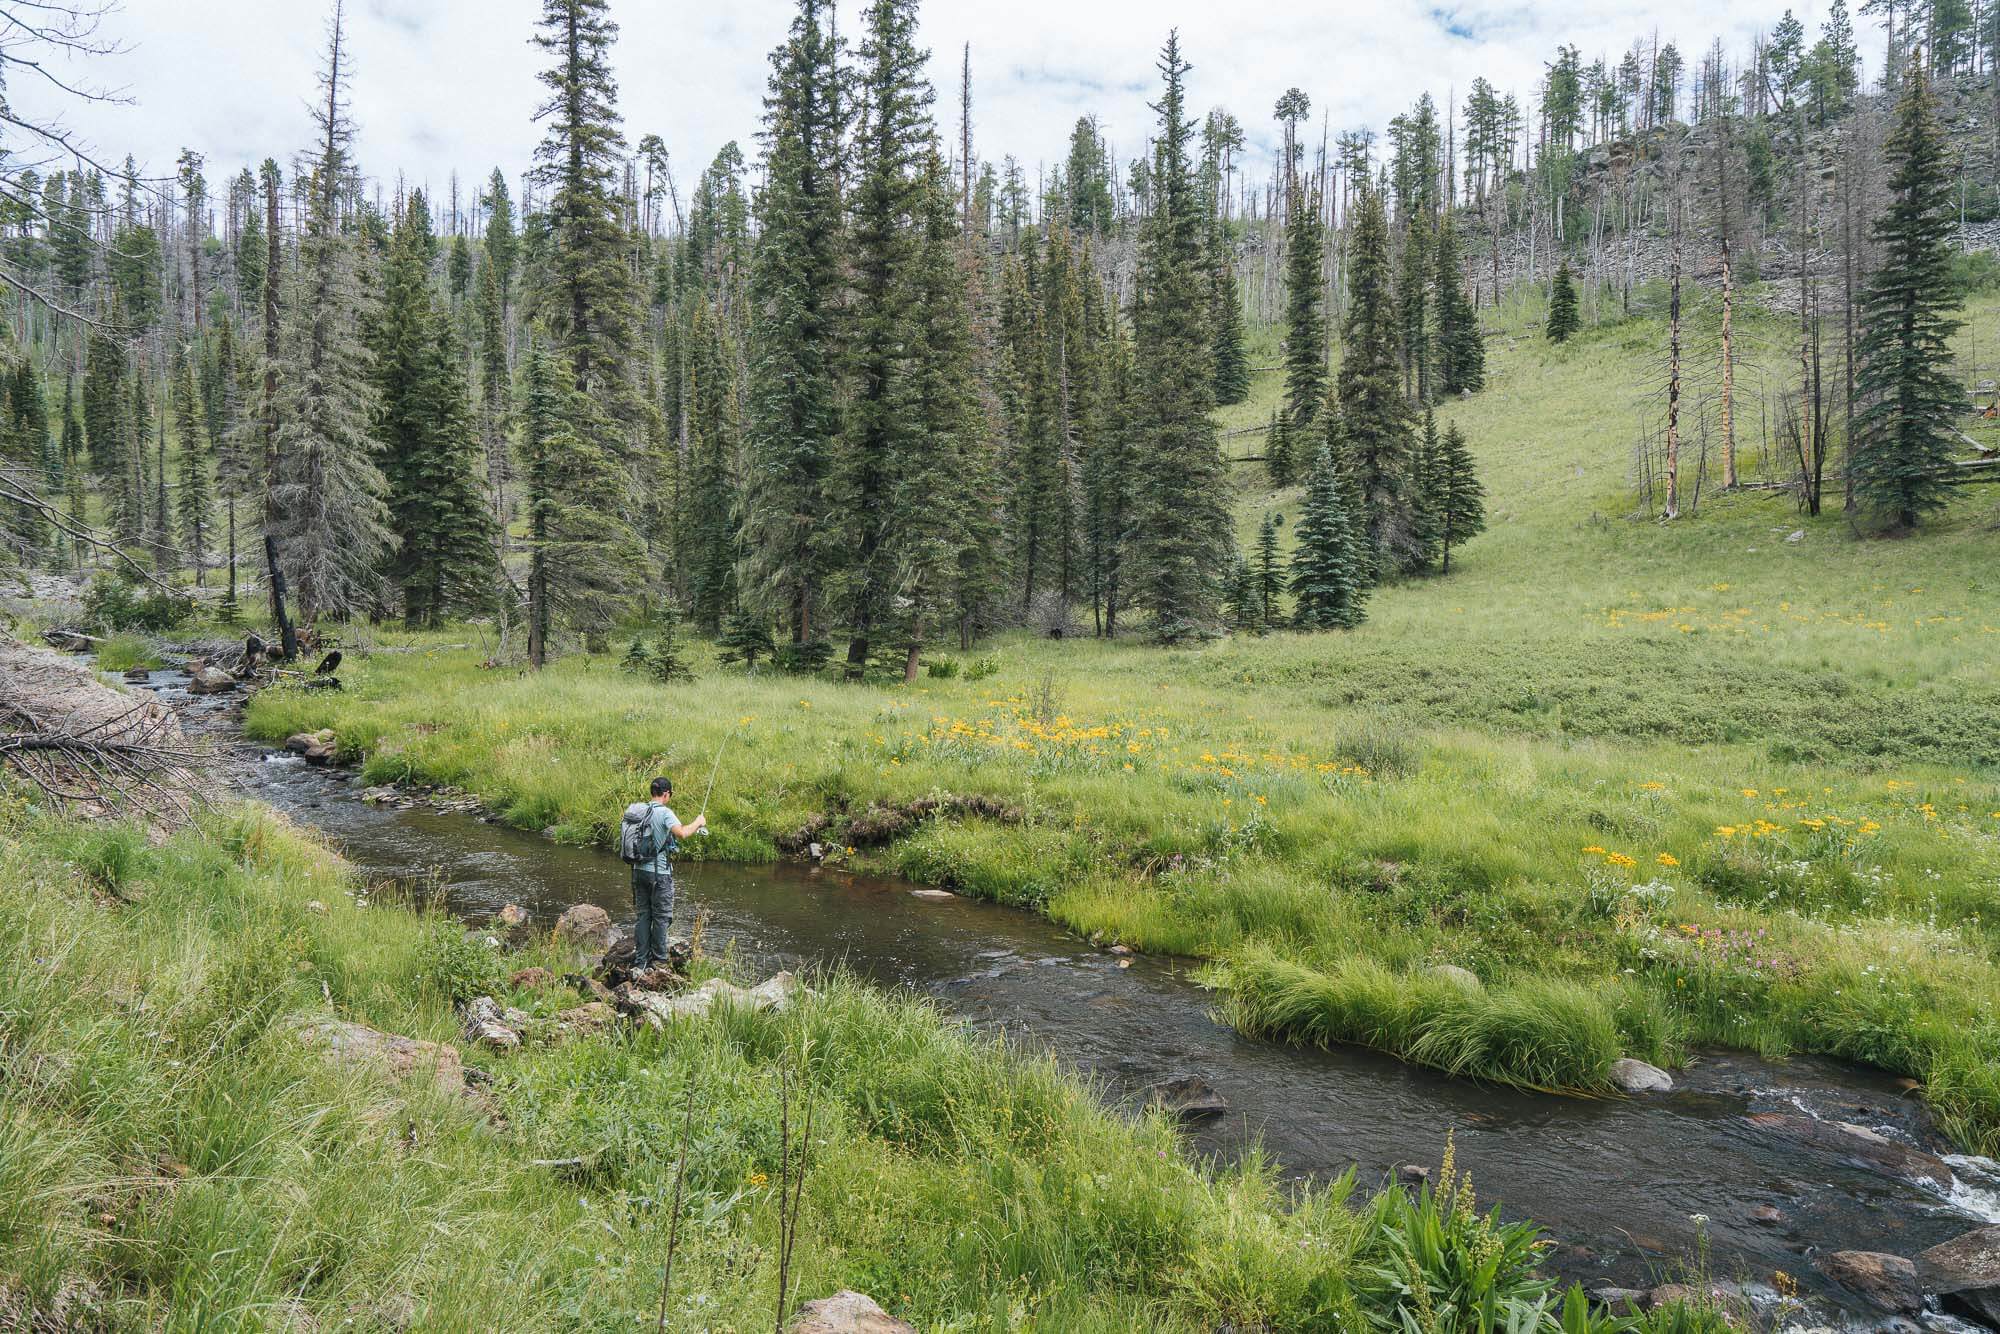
(450, 84)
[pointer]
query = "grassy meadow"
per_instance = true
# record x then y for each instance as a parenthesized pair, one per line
(1657, 786)
(173, 1157)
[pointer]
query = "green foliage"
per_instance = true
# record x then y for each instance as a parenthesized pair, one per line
(453, 964)
(118, 602)
(1374, 416)
(1328, 590)
(123, 652)
(1563, 320)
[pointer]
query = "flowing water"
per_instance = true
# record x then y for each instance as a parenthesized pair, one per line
(1631, 1189)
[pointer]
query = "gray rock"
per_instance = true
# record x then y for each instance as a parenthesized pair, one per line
(1638, 1077)
(1618, 1299)
(1965, 1271)
(656, 1009)
(1703, 1296)
(847, 1313)
(1767, 1214)
(351, 1046)
(1188, 1098)
(490, 1024)
(585, 926)
(1886, 1282)
(211, 681)
(1413, 1174)
(1796, 535)
(512, 915)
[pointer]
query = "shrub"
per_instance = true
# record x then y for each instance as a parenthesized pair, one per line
(453, 965)
(116, 603)
(983, 666)
(123, 652)
(941, 669)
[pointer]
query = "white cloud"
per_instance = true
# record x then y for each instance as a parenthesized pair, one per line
(450, 84)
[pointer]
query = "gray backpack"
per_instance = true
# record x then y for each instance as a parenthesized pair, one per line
(638, 839)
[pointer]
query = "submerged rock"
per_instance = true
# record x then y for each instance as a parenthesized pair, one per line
(586, 926)
(1886, 1282)
(1860, 1146)
(1638, 1077)
(512, 915)
(1188, 1098)
(847, 1313)
(351, 1046)
(1965, 1271)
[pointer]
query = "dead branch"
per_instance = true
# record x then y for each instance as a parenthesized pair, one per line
(133, 758)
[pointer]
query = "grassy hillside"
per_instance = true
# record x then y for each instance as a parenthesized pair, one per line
(1656, 785)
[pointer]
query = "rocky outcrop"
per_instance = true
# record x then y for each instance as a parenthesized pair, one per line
(1886, 1282)
(1859, 1146)
(352, 1046)
(1634, 1076)
(1965, 1272)
(585, 926)
(847, 1313)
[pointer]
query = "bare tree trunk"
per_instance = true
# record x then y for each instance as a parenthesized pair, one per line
(1728, 373)
(1673, 478)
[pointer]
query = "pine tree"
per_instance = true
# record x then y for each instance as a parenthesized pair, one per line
(1241, 602)
(746, 636)
(495, 395)
(1426, 479)
(503, 243)
(72, 450)
(1563, 320)
(711, 500)
(107, 424)
(1270, 570)
(1461, 352)
(894, 127)
(1415, 314)
(1374, 418)
(1903, 432)
(444, 560)
(1305, 323)
(797, 286)
(576, 556)
(1183, 529)
(193, 500)
(1109, 479)
(1460, 499)
(331, 525)
(1327, 581)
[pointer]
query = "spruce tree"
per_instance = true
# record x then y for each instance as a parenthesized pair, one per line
(1327, 583)
(927, 497)
(1270, 570)
(444, 560)
(1183, 539)
(1461, 353)
(797, 287)
(1305, 324)
(1415, 313)
(895, 127)
(1903, 432)
(503, 243)
(1232, 354)
(1241, 602)
(585, 296)
(576, 558)
(1563, 320)
(193, 499)
(711, 501)
(1110, 479)
(1426, 481)
(1459, 498)
(1278, 450)
(1374, 418)
(332, 531)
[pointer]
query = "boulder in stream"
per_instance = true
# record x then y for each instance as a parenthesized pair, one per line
(847, 1313)
(314, 747)
(1965, 1272)
(1188, 1098)
(586, 926)
(1859, 1146)
(211, 681)
(1638, 1077)
(511, 916)
(1886, 1282)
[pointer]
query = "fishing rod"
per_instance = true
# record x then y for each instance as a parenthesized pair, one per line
(714, 769)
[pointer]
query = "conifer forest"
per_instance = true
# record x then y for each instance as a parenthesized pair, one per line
(1173, 696)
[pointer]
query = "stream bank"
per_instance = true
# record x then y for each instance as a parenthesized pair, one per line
(1629, 1188)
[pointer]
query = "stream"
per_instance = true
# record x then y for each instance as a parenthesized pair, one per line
(1630, 1189)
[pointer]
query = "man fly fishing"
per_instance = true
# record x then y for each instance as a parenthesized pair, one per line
(648, 837)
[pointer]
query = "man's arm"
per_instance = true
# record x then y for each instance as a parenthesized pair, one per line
(685, 831)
